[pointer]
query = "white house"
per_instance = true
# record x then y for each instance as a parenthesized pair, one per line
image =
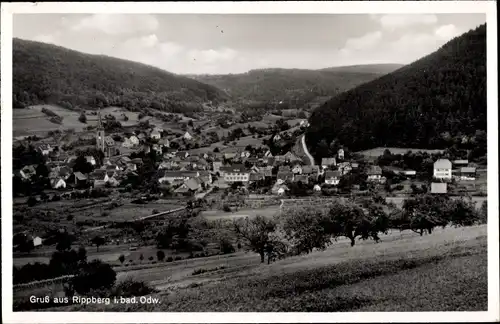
(58, 183)
(155, 134)
(328, 162)
(317, 188)
(468, 173)
(332, 177)
(297, 169)
(37, 241)
(134, 140)
(442, 169)
(375, 174)
(340, 154)
(187, 136)
(90, 159)
(235, 173)
(127, 143)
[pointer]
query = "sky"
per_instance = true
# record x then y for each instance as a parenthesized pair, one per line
(237, 43)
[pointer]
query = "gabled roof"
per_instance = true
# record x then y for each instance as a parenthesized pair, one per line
(468, 170)
(442, 164)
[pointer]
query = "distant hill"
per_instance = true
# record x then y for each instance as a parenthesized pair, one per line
(366, 68)
(282, 84)
(436, 102)
(49, 74)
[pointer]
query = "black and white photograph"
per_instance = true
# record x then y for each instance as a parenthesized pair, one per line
(231, 160)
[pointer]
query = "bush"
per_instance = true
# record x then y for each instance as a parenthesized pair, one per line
(170, 259)
(94, 275)
(226, 247)
(178, 258)
(32, 201)
(131, 288)
(82, 118)
(160, 255)
(226, 208)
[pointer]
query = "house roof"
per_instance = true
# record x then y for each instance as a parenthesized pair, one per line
(301, 178)
(374, 170)
(442, 164)
(327, 161)
(256, 176)
(332, 174)
(193, 183)
(309, 169)
(461, 162)
(468, 170)
(97, 174)
(80, 176)
(176, 174)
(235, 168)
(284, 175)
(54, 181)
(284, 168)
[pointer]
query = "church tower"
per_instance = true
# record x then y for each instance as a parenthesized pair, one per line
(100, 134)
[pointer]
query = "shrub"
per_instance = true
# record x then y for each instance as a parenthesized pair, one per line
(160, 255)
(122, 259)
(130, 288)
(170, 259)
(94, 275)
(178, 258)
(226, 208)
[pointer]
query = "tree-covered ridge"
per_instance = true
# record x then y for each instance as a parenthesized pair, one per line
(436, 102)
(49, 74)
(281, 84)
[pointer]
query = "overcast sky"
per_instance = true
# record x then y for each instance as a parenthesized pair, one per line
(188, 43)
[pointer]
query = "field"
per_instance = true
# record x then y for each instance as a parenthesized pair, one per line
(398, 201)
(241, 213)
(376, 152)
(445, 271)
(32, 121)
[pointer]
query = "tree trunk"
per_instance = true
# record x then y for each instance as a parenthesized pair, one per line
(353, 241)
(262, 257)
(421, 232)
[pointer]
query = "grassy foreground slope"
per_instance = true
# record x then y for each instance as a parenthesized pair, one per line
(281, 84)
(49, 74)
(431, 103)
(445, 271)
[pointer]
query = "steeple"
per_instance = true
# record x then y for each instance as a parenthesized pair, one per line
(99, 123)
(100, 133)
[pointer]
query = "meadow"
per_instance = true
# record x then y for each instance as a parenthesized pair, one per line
(445, 271)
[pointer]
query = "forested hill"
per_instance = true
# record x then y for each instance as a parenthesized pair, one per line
(44, 73)
(267, 85)
(436, 102)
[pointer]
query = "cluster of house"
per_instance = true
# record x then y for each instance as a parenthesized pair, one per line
(233, 166)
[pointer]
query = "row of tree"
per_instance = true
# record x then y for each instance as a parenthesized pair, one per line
(303, 229)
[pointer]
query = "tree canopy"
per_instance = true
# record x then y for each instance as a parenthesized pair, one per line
(73, 79)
